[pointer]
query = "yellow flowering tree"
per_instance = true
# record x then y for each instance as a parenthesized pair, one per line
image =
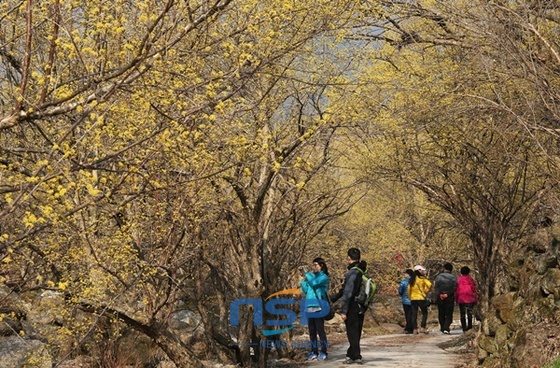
(163, 155)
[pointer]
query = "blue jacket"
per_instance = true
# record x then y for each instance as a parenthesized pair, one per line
(403, 290)
(315, 286)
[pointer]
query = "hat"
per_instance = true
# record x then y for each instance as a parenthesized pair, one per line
(419, 268)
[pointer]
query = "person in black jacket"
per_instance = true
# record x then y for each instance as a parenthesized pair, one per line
(445, 286)
(351, 312)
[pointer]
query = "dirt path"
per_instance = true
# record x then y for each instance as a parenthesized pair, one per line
(399, 350)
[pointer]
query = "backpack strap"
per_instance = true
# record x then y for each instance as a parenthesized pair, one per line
(359, 269)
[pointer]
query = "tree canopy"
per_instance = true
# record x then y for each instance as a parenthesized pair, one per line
(159, 155)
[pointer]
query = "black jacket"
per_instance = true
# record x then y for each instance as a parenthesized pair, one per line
(351, 285)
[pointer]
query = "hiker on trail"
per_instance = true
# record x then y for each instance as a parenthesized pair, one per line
(466, 297)
(407, 307)
(315, 285)
(418, 288)
(351, 313)
(445, 286)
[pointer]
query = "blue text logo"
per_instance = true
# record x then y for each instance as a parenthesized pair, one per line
(271, 306)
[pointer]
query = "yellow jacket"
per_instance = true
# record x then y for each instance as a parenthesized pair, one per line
(420, 289)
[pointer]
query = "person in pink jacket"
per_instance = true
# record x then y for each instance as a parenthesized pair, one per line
(466, 297)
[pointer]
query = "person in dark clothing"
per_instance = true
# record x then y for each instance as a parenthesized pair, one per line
(445, 286)
(407, 307)
(351, 312)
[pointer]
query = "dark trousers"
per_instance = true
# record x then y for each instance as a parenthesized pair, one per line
(354, 324)
(445, 312)
(466, 310)
(408, 317)
(423, 306)
(317, 328)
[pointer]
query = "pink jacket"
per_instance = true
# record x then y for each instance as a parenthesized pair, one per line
(466, 290)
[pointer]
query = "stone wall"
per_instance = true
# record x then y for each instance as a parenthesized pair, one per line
(523, 326)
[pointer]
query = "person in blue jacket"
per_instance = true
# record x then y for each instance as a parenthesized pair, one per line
(403, 292)
(315, 285)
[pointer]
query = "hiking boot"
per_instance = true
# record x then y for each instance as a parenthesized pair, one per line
(322, 356)
(312, 356)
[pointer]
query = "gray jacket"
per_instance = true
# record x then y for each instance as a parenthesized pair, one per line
(445, 283)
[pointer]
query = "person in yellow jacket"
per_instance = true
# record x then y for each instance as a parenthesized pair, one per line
(418, 288)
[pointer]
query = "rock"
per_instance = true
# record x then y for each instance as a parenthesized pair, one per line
(10, 326)
(502, 335)
(186, 320)
(492, 325)
(488, 344)
(16, 352)
(481, 355)
(551, 282)
(545, 261)
(504, 306)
